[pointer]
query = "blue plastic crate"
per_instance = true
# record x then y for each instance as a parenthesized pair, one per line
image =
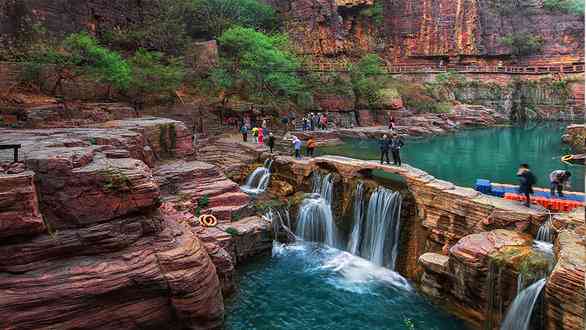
(483, 186)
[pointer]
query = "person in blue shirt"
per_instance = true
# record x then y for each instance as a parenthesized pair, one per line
(297, 147)
(244, 131)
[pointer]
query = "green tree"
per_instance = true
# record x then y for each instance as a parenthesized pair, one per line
(79, 54)
(105, 65)
(522, 44)
(257, 67)
(211, 18)
(368, 79)
(152, 75)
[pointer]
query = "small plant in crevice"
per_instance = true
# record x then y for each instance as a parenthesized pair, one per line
(50, 230)
(202, 203)
(115, 180)
(232, 231)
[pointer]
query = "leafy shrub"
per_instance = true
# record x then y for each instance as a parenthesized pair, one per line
(163, 30)
(153, 74)
(232, 231)
(522, 44)
(375, 12)
(211, 18)
(115, 180)
(367, 78)
(567, 6)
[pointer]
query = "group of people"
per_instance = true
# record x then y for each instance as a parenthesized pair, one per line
(310, 147)
(312, 121)
(258, 134)
(391, 144)
(558, 179)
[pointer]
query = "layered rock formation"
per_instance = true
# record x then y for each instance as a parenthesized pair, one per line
(186, 183)
(575, 137)
(105, 256)
(564, 292)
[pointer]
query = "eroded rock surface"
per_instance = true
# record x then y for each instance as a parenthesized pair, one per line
(564, 292)
(108, 256)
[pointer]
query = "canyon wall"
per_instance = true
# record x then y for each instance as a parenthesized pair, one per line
(404, 32)
(415, 32)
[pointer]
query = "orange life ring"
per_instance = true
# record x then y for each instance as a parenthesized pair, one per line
(208, 220)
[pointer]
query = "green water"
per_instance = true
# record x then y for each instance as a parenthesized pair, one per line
(490, 153)
(306, 286)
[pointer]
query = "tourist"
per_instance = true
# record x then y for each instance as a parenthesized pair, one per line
(244, 131)
(384, 145)
(391, 123)
(271, 142)
(324, 122)
(297, 147)
(312, 121)
(311, 144)
(255, 134)
(261, 136)
(558, 180)
(396, 144)
(526, 181)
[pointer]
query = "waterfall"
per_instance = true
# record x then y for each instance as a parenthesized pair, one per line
(545, 233)
(323, 186)
(382, 227)
(519, 314)
(315, 220)
(258, 181)
(280, 220)
(354, 243)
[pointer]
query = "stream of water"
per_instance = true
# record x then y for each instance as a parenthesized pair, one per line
(492, 153)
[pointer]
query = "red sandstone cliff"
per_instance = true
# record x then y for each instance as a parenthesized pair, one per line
(105, 256)
(407, 32)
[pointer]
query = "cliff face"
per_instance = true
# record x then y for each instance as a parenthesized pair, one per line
(426, 31)
(404, 32)
(473, 29)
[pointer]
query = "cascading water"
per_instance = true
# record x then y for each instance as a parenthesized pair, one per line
(258, 181)
(382, 228)
(315, 220)
(545, 233)
(519, 314)
(354, 243)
